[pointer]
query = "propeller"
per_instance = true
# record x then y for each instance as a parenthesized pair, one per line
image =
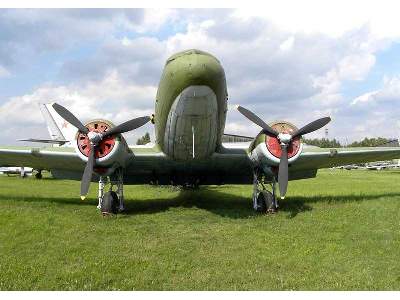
(285, 140)
(95, 138)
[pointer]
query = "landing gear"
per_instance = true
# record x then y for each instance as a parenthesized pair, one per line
(112, 201)
(39, 175)
(264, 201)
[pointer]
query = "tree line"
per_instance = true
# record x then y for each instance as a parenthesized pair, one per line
(366, 142)
(144, 139)
(322, 143)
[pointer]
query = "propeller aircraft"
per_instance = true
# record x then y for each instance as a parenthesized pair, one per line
(189, 121)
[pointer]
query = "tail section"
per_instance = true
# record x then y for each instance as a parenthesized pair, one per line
(58, 128)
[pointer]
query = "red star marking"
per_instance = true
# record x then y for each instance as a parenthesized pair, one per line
(65, 124)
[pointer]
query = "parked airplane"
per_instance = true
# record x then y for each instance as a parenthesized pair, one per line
(22, 171)
(189, 120)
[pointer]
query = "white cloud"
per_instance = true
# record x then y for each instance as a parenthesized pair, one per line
(111, 99)
(330, 18)
(4, 72)
(364, 97)
(287, 44)
(356, 66)
(389, 93)
(283, 63)
(153, 19)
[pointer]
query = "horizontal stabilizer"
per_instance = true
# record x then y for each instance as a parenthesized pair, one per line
(59, 142)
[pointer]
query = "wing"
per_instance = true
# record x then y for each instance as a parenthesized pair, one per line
(231, 164)
(41, 158)
(318, 158)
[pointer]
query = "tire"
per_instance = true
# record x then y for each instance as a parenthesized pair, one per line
(110, 203)
(261, 207)
(265, 202)
(38, 175)
(269, 201)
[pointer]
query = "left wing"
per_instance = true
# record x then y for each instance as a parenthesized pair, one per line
(41, 158)
(319, 158)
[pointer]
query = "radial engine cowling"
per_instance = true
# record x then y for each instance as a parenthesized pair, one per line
(110, 153)
(266, 150)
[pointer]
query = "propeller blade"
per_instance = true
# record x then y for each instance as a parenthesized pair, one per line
(87, 174)
(127, 126)
(313, 126)
(283, 175)
(256, 120)
(69, 117)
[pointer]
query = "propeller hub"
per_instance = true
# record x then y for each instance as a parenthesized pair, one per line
(284, 138)
(95, 137)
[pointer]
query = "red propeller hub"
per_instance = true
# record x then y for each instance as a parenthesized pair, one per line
(104, 147)
(273, 144)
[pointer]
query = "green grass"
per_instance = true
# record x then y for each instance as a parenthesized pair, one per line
(340, 231)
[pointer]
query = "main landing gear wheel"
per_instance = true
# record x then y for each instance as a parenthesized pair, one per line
(265, 202)
(110, 203)
(260, 204)
(39, 175)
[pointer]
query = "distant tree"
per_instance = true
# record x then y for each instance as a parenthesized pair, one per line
(144, 139)
(372, 142)
(323, 143)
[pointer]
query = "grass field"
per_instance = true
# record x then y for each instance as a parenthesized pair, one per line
(339, 231)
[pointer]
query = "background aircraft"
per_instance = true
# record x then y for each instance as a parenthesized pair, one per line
(189, 120)
(22, 171)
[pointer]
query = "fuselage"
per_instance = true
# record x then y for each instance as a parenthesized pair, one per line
(191, 106)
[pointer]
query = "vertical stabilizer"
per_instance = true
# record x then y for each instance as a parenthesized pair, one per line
(58, 128)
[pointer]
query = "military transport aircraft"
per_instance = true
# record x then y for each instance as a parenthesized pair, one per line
(189, 120)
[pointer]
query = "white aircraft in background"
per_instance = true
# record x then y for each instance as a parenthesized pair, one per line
(61, 132)
(23, 171)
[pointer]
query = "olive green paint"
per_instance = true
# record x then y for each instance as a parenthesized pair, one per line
(191, 67)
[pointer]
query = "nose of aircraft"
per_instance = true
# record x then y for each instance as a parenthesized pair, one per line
(192, 124)
(193, 87)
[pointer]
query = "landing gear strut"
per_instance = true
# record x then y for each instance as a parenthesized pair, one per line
(264, 200)
(111, 202)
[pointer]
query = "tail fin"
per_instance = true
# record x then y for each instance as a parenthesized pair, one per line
(58, 128)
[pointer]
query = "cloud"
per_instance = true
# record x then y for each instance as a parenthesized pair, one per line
(331, 19)
(389, 93)
(4, 72)
(30, 32)
(139, 60)
(374, 113)
(278, 62)
(109, 99)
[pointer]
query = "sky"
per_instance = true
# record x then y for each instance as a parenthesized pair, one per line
(286, 61)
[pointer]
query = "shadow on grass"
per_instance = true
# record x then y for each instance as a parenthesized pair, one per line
(223, 204)
(207, 198)
(234, 206)
(55, 199)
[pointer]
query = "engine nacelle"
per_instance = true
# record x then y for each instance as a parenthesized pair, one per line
(110, 153)
(266, 150)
